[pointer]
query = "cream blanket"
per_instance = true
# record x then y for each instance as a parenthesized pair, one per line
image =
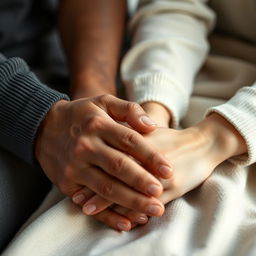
(218, 218)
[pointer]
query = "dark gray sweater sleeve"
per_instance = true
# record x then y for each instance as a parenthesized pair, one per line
(24, 102)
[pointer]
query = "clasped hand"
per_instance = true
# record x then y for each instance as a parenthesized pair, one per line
(81, 144)
(194, 153)
(99, 162)
(190, 154)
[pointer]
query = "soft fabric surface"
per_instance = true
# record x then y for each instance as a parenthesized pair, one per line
(218, 218)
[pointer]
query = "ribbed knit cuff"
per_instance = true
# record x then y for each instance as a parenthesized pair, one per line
(159, 87)
(240, 112)
(24, 102)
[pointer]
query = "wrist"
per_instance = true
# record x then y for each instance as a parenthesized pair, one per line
(83, 86)
(225, 140)
(49, 127)
(90, 91)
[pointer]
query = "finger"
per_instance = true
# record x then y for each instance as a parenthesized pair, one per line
(117, 192)
(114, 220)
(123, 139)
(167, 197)
(135, 218)
(124, 168)
(170, 195)
(68, 187)
(82, 196)
(124, 111)
(134, 225)
(95, 205)
(102, 204)
(132, 143)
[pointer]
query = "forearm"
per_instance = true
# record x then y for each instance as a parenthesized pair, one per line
(92, 33)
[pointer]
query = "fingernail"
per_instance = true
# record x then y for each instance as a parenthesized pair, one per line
(154, 210)
(89, 209)
(147, 121)
(154, 190)
(165, 171)
(78, 198)
(122, 226)
(142, 220)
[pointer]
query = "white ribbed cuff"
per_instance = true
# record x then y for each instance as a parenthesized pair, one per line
(159, 87)
(240, 111)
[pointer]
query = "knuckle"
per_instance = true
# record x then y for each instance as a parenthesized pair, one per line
(104, 98)
(133, 107)
(82, 147)
(63, 188)
(132, 215)
(138, 204)
(106, 189)
(117, 165)
(107, 218)
(94, 123)
(153, 157)
(129, 140)
(104, 218)
(67, 187)
(139, 181)
(69, 174)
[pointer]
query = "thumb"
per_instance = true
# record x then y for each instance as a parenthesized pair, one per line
(125, 111)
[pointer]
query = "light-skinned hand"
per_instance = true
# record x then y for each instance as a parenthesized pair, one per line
(194, 152)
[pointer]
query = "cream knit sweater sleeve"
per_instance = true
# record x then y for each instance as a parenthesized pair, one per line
(169, 46)
(240, 111)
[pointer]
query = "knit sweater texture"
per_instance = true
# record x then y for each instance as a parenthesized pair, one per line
(170, 45)
(24, 100)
